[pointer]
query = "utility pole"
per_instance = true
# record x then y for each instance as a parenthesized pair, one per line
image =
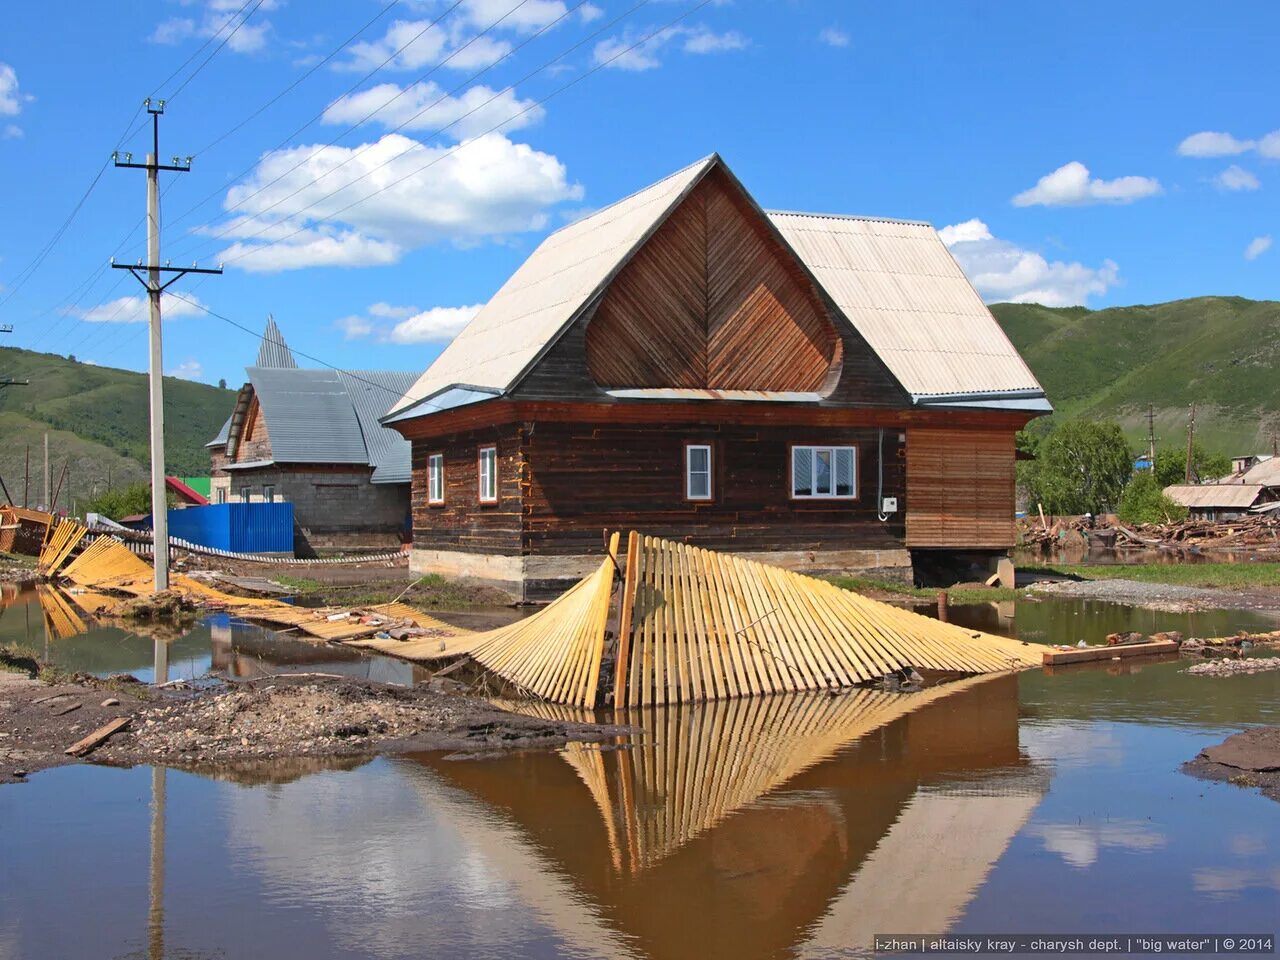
(26, 479)
(1151, 436)
(46, 471)
(1191, 433)
(9, 381)
(155, 371)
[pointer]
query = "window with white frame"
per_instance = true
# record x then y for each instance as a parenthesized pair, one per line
(697, 471)
(220, 495)
(246, 494)
(488, 474)
(829, 473)
(268, 493)
(435, 478)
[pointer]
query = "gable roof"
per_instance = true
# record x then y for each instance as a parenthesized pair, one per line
(327, 416)
(895, 281)
(900, 287)
(274, 352)
(1225, 496)
(543, 296)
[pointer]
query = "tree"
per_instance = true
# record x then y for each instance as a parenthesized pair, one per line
(1171, 465)
(1144, 501)
(1080, 467)
(222, 384)
(124, 501)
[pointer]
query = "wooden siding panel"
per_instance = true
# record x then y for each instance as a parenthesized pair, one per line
(462, 522)
(766, 329)
(582, 478)
(960, 488)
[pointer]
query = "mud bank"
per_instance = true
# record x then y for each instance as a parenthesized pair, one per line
(1159, 596)
(1248, 759)
(275, 718)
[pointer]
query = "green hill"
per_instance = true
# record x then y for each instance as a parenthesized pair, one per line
(97, 420)
(1220, 353)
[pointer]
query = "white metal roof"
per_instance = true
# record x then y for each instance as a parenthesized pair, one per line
(1224, 496)
(900, 287)
(531, 309)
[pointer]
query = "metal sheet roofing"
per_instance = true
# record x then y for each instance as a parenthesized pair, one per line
(1224, 496)
(223, 435)
(540, 299)
(900, 287)
(323, 416)
(274, 352)
(1266, 473)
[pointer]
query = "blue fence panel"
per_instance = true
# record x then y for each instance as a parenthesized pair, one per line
(239, 527)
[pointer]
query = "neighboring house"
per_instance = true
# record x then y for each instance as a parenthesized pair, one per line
(1243, 464)
(824, 392)
(312, 438)
(184, 494)
(1220, 501)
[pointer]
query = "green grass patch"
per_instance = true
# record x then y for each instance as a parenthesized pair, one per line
(431, 592)
(955, 595)
(1223, 575)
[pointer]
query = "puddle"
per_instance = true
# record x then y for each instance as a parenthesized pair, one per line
(772, 828)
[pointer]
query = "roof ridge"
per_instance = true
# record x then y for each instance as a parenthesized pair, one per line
(848, 216)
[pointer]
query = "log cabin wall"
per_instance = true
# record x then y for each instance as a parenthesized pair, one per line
(584, 477)
(254, 442)
(961, 488)
(463, 523)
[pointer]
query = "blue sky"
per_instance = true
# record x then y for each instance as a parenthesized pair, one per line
(1094, 153)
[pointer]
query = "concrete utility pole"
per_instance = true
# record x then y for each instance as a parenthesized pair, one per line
(1151, 436)
(1191, 433)
(155, 369)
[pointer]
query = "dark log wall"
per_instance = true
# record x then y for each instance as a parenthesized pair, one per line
(961, 488)
(463, 522)
(713, 299)
(582, 478)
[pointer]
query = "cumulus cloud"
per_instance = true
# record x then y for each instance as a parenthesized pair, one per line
(11, 98)
(435, 325)
(220, 19)
(1236, 178)
(833, 37)
(136, 309)
(188, 369)
(1257, 247)
(1213, 143)
(1003, 271)
(426, 106)
(12, 132)
(1269, 146)
(624, 52)
(406, 194)
(1071, 185)
(424, 44)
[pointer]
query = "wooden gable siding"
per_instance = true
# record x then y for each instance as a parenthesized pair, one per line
(712, 299)
(960, 488)
(583, 477)
(462, 522)
(255, 442)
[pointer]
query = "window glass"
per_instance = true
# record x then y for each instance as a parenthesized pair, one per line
(844, 471)
(698, 472)
(488, 473)
(435, 478)
(802, 471)
(268, 493)
(824, 472)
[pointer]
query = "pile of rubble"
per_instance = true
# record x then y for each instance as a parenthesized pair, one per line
(1231, 668)
(1261, 531)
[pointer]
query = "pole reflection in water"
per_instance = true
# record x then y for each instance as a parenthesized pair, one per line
(155, 911)
(770, 825)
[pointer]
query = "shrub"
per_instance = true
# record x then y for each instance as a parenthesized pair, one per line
(1144, 501)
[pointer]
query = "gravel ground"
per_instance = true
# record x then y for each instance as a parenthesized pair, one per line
(1157, 596)
(1231, 668)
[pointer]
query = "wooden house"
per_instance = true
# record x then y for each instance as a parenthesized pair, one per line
(312, 438)
(823, 392)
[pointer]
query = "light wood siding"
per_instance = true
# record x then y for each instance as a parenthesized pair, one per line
(960, 488)
(712, 299)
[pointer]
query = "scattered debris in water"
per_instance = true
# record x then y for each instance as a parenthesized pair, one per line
(1231, 668)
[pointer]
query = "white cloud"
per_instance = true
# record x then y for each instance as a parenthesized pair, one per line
(1211, 143)
(426, 106)
(188, 369)
(11, 98)
(436, 325)
(221, 19)
(1003, 271)
(1257, 247)
(408, 194)
(1269, 146)
(833, 37)
(425, 44)
(136, 310)
(1070, 185)
(589, 12)
(1236, 178)
(625, 52)
(12, 132)
(1079, 844)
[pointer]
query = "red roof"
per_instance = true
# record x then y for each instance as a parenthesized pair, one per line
(184, 491)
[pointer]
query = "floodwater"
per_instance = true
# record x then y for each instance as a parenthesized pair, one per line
(776, 828)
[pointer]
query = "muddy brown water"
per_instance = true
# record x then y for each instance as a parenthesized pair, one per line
(793, 827)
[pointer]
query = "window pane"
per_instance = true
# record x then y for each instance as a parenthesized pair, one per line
(699, 486)
(802, 471)
(488, 473)
(698, 459)
(844, 471)
(822, 471)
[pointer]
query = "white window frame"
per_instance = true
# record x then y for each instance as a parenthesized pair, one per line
(435, 479)
(812, 451)
(268, 493)
(487, 473)
(710, 495)
(246, 493)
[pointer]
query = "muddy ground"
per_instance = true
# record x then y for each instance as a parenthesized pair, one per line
(1248, 759)
(275, 718)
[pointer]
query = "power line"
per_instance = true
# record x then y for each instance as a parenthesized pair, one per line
(225, 40)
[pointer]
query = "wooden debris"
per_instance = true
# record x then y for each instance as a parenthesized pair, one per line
(1085, 654)
(97, 738)
(60, 711)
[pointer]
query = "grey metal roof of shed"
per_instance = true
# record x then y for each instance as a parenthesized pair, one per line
(323, 416)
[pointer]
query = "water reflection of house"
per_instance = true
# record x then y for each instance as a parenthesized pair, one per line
(760, 832)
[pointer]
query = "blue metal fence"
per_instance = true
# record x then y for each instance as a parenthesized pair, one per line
(238, 527)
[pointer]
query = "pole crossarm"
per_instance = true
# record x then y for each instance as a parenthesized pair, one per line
(178, 272)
